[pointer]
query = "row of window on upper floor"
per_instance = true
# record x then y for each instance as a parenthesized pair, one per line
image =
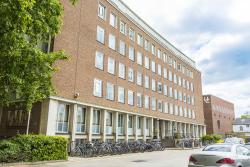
(142, 42)
(167, 74)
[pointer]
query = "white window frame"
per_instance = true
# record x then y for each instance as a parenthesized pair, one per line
(122, 48)
(139, 78)
(121, 94)
(110, 91)
(111, 65)
(100, 34)
(146, 62)
(99, 58)
(153, 68)
(146, 81)
(122, 71)
(130, 97)
(130, 74)
(139, 100)
(139, 58)
(146, 102)
(123, 27)
(97, 87)
(102, 11)
(131, 53)
(112, 42)
(113, 20)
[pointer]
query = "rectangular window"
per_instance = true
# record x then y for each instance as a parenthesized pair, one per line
(99, 60)
(170, 92)
(153, 66)
(131, 34)
(169, 60)
(184, 83)
(171, 108)
(110, 94)
(188, 86)
(121, 95)
(170, 77)
(97, 91)
(153, 49)
(111, 65)
(80, 120)
(109, 119)
(185, 112)
(146, 44)
(192, 87)
(176, 110)
(153, 103)
(184, 98)
(160, 105)
(153, 85)
(139, 78)
(175, 94)
(123, 27)
(166, 107)
(165, 73)
(100, 36)
(159, 87)
(159, 53)
(146, 81)
(122, 49)
(180, 111)
(112, 41)
(159, 69)
(121, 70)
(130, 75)
(165, 90)
(113, 20)
(180, 96)
(175, 79)
(139, 40)
(139, 58)
(96, 121)
(130, 97)
(146, 102)
(62, 118)
(146, 62)
(174, 64)
(101, 11)
(139, 100)
(130, 122)
(131, 53)
(179, 81)
(164, 57)
(139, 122)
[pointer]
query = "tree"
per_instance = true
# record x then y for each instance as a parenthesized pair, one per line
(25, 69)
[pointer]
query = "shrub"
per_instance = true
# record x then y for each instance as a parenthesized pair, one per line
(35, 148)
(211, 138)
(9, 151)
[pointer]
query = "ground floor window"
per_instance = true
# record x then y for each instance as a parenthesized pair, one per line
(96, 121)
(62, 118)
(81, 120)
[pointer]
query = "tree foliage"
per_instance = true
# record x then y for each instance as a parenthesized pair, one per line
(25, 69)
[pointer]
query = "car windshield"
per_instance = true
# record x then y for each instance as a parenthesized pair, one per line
(218, 148)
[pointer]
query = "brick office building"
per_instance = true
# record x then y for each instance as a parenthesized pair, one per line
(123, 81)
(219, 115)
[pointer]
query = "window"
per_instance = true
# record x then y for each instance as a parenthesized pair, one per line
(170, 92)
(131, 53)
(109, 119)
(122, 49)
(153, 66)
(174, 63)
(139, 40)
(192, 87)
(146, 45)
(165, 90)
(218, 124)
(96, 121)
(139, 78)
(159, 53)
(175, 79)
(121, 70)
(80, 120)
(110, 91)
(153, 103)
(179, 67)
(123, 27)
(101, 11)
(192, 100)
(62, 118)
(171, 108)
(175, 94)
(100, 34)
(159, 69)
(139, 58)
(97, 91)
(180, 95)
(111, 65)
(164, 57)
(130, 75)
(120, 124)
(170, 77)
(121, 95)
(169, 60)
(146, 81)
(184, 83)
(165, 75)
(146, 102)
(241, 128)
(99, 60)
(112, 41)
(113, 20)
(179, 81)
(176, 110)
(130, 122)
(139, 100)
(160, 106)
(185, 112)
(153, 85)
(181, 112)
(131, 34)
(193, 114)
(184, 98)
(159, 87)
(139, 122)
(153, 49)
(165, 107)
(146, 62)
(189, 113)
(130, 97)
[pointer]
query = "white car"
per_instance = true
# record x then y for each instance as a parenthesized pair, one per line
(234, 140)
(223, 155)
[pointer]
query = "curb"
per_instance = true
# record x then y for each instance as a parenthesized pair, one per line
(30, 163)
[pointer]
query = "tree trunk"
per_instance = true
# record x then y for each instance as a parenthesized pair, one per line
(28, 123)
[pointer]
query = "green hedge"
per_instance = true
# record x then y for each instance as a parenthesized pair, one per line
(211, 138)
(33, 148)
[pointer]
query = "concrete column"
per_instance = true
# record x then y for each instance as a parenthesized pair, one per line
(185, 130)
(103, 125)
(126, 127)
(144, 128)
(90, 123)
(152, 127)
(135, 127)
(204, 130)
(163, 130)
(116, 126)
(197, 131)
(170, 128)
(72, 121)
(157, 130)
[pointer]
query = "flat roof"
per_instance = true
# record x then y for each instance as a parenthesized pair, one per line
(131, 15)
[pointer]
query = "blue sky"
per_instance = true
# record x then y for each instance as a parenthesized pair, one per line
(216, 34)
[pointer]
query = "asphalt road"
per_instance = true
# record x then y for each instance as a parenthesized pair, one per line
(168, 158)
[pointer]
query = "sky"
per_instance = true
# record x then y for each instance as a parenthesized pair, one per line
(215, 34)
